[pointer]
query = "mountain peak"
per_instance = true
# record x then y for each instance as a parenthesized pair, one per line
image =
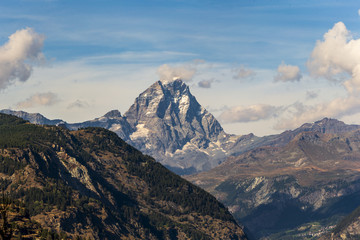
(168, 118)
(113, 114)
(328, 125)
(329, 121)
(163, 98)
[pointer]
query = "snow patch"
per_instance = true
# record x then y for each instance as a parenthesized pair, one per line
(115, 127)
(141, 132)
(184, 103)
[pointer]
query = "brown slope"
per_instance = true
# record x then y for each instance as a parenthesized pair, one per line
(305, 178)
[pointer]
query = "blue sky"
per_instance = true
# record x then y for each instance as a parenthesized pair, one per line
(249, 59)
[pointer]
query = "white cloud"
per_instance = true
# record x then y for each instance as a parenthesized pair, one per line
(17, 56)
(336, 55)
(40, 99)
(288, 73)
(336, 108)
(359, 12)
(249, 113)
(205, 83)
(183, 72)
(242, 72)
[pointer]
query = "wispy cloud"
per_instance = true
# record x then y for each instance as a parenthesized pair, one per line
(138, 57)
(242, 72)
(169, 73)
(250, 113)
(300, 113)
(39, 99)
(17, 56)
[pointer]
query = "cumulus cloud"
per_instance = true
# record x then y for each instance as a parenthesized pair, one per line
(336, 55)
(205, 83)
(168, 73)
(287, 73)
(18, 54)
(242, 72)
(40, 99)
(249, 113)
(78, 104)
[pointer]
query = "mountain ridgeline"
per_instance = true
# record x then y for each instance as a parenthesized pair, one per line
(91, 184)
(167, 123)
(297, 187)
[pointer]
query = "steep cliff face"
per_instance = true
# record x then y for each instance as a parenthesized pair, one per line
(171, 109)
(90, 183)
(173, 127)
(313, 179)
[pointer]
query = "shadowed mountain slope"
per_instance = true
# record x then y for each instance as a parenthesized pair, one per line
(92, 184)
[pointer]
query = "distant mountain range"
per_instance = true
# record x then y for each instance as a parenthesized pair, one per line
(168, 123)
(90, 184)
(298, 185)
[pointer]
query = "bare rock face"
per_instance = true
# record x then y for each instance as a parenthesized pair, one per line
(174, 128)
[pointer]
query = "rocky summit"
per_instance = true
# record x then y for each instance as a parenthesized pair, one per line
(170, 125)
(90, 184)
